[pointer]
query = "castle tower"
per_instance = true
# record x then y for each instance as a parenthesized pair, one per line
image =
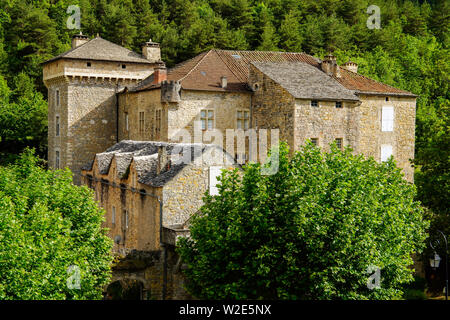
(82, 85)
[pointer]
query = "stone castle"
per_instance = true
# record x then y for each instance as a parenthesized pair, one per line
(115, 118)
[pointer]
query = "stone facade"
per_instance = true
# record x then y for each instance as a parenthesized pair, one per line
(146, 217)
(87, 108)
(181, 115)
(100, 97)
(402, 137)
(358, 124)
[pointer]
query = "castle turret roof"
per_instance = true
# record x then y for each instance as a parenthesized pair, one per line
(102, 50)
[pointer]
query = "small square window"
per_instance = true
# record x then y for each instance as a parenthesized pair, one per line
(88, 64)
(207, 119)
(338, 143)
(387, 98)
(315, 141)
(314, 103)
(338, 104)
(243, 119)
(124, 66)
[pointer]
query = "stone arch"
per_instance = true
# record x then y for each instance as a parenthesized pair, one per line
(130, 288)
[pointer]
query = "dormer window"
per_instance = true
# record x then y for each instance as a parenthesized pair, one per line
(314, 103)
(88, 64)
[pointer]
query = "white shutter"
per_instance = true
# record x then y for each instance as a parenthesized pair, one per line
(387, 118)
(386, 152)
(214, 172)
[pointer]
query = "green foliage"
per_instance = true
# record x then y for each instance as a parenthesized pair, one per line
(310, 231)
(22, 122)
(410, 51)
(46, 225)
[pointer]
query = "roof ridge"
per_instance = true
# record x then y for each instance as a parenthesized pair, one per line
(61, 55)
(182, 63)
(376, 81)
(195, 67)
(230, 50)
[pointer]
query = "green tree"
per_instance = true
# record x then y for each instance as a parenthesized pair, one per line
(291, 38)
(23, 122)
(310, 231)
(47, 225)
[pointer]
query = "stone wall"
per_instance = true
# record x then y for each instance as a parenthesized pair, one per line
(401, 138)
(272, 106)
(123, 193)
(159, 273)
(88, 109)
(131, 104)
(57, 143)
(326, 123)
(176, 116)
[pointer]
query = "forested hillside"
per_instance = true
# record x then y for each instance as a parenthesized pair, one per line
(410, 51)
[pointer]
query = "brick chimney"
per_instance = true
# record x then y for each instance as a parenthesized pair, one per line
(151, 51)
(350, 66)
(160, 74)
(78, 40)
(330, 66)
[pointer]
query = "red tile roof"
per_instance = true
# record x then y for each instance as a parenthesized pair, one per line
(203, 72)
(363, 84)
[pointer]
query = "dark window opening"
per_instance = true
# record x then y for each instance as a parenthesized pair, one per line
(338, 104)
(124, 66)
(314, 103)
(88, 64)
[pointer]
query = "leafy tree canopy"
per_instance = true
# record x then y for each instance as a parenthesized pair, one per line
(48, 225)
(310, 231)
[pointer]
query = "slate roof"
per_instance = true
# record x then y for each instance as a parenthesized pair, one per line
(144, 154)
(104, 50)
(305, 81)
(203, 72)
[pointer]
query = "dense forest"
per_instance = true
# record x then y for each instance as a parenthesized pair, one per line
(410, 51)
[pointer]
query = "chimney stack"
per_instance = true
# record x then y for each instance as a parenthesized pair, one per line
(163, 159)
(223, 82)
(351, 66)
(160, 74)
(78, 40)
(330, 66)
(151, 51)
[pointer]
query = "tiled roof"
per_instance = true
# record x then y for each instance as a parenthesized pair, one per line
(203, 72)
(144, 154)
(362, 84)
(305, 81)
(101, 49)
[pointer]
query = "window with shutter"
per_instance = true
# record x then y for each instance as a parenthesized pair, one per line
(386, 152)
(387, 118)
(214, 172)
